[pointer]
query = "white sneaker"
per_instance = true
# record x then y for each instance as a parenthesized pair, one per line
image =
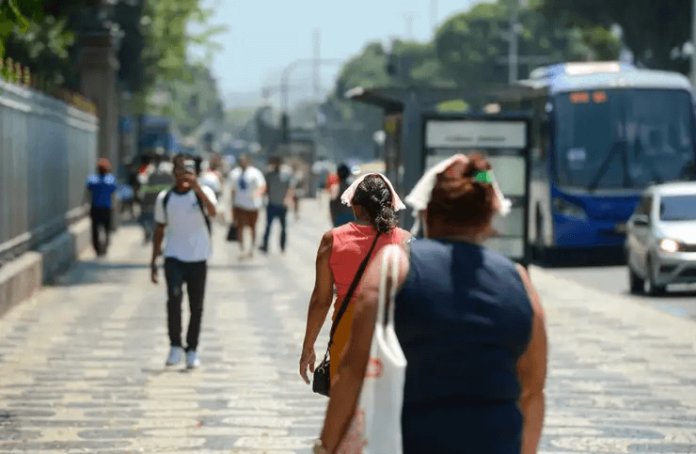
(192, 359)
(176, 354)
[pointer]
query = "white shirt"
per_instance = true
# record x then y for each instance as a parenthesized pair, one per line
(247, 188)
(186, 235)
(211, 180)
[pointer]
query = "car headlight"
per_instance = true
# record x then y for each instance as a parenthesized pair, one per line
(670, 246)
(569, 209)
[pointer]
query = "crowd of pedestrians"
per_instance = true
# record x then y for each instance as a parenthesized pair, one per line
(467, 321)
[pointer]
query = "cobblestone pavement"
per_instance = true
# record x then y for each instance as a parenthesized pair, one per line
(81, 363)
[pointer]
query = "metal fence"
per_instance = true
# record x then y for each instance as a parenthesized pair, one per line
(47, 149)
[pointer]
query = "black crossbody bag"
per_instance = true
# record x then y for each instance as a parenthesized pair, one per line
(321, 384)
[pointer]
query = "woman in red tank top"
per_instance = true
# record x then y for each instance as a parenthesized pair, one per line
(340, 254)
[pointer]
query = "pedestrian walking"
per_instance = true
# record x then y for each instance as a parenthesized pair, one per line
(182, 214)
(300, 190)
(341, 253)
(280, 189)
(152, 184)
(468, 321)
(341, 214)
(102, 186)
(212, 178)
(248, 187)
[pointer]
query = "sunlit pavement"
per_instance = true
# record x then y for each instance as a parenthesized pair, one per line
(83, 361)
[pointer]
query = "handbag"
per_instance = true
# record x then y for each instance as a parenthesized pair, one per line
(232, 234)
(376, 425)
(321, 381)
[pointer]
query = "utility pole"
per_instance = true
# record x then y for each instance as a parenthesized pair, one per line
(317, 63)
(433, 15)
(409, 25)
(693, 43)
(513, 50)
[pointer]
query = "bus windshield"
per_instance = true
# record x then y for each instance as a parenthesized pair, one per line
(623, 138)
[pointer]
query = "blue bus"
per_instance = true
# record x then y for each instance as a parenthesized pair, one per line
(602, 132)
(157, 133)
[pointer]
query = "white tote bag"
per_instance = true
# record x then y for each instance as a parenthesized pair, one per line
(376, 426)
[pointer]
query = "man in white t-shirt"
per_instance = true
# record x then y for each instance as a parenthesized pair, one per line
(248, 187)
(182, 216)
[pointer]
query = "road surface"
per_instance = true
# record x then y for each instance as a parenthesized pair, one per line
(82, 362)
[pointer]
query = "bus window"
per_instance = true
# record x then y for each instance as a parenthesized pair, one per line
(630, 139)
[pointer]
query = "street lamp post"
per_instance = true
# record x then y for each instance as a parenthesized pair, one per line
(285, 120)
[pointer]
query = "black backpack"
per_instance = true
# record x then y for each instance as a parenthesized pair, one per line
(200, 205)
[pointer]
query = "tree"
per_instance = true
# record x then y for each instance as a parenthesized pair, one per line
(413, 64)
(655, 30)
(154, 41)
(368, 70)
(192, 98)
(473, 46)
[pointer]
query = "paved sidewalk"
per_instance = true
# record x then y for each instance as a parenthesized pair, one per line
(82, 363)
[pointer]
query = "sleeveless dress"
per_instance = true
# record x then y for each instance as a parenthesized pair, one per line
(351, 243)
(463, 319)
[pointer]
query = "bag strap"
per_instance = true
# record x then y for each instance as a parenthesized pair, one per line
(164, 202)
(351, 290)
(205, 216)
(198, 201)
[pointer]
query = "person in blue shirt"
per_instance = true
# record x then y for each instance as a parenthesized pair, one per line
(101, 186)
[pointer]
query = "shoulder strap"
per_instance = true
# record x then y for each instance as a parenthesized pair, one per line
(198, 201)
(205, 216)
(352, 288)
(165, 200)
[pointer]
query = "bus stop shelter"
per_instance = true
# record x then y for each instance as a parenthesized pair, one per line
(418, 136)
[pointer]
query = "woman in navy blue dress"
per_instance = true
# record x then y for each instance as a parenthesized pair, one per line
(469, 323)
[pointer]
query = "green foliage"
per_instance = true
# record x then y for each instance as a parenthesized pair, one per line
(368, 70)
(418, 64)
(191, 98)
(471, 49)
(16, 16)
(473, 46)
(655, 30)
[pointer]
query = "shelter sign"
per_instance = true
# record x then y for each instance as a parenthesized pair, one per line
(504, 143)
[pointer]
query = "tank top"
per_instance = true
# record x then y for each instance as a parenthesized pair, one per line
(463, 319)
(351, 243)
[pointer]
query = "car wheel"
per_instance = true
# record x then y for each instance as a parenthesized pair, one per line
(652, 289)
(636, 284)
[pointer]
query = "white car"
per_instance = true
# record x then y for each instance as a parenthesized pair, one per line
(661, 238)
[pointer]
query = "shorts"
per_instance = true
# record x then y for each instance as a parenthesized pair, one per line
(245, 218)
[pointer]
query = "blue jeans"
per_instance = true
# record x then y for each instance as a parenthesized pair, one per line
(272, 212)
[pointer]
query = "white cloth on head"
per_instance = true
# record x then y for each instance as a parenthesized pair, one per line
(420, 196)
(349, 193)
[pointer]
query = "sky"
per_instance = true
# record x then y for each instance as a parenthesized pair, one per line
(264, 36)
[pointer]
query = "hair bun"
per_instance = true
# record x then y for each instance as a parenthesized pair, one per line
(458, 199)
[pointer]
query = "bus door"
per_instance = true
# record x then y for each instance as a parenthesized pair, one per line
(505, 143)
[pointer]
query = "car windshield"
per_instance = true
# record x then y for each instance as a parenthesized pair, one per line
(678, 208)
(623, 138)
